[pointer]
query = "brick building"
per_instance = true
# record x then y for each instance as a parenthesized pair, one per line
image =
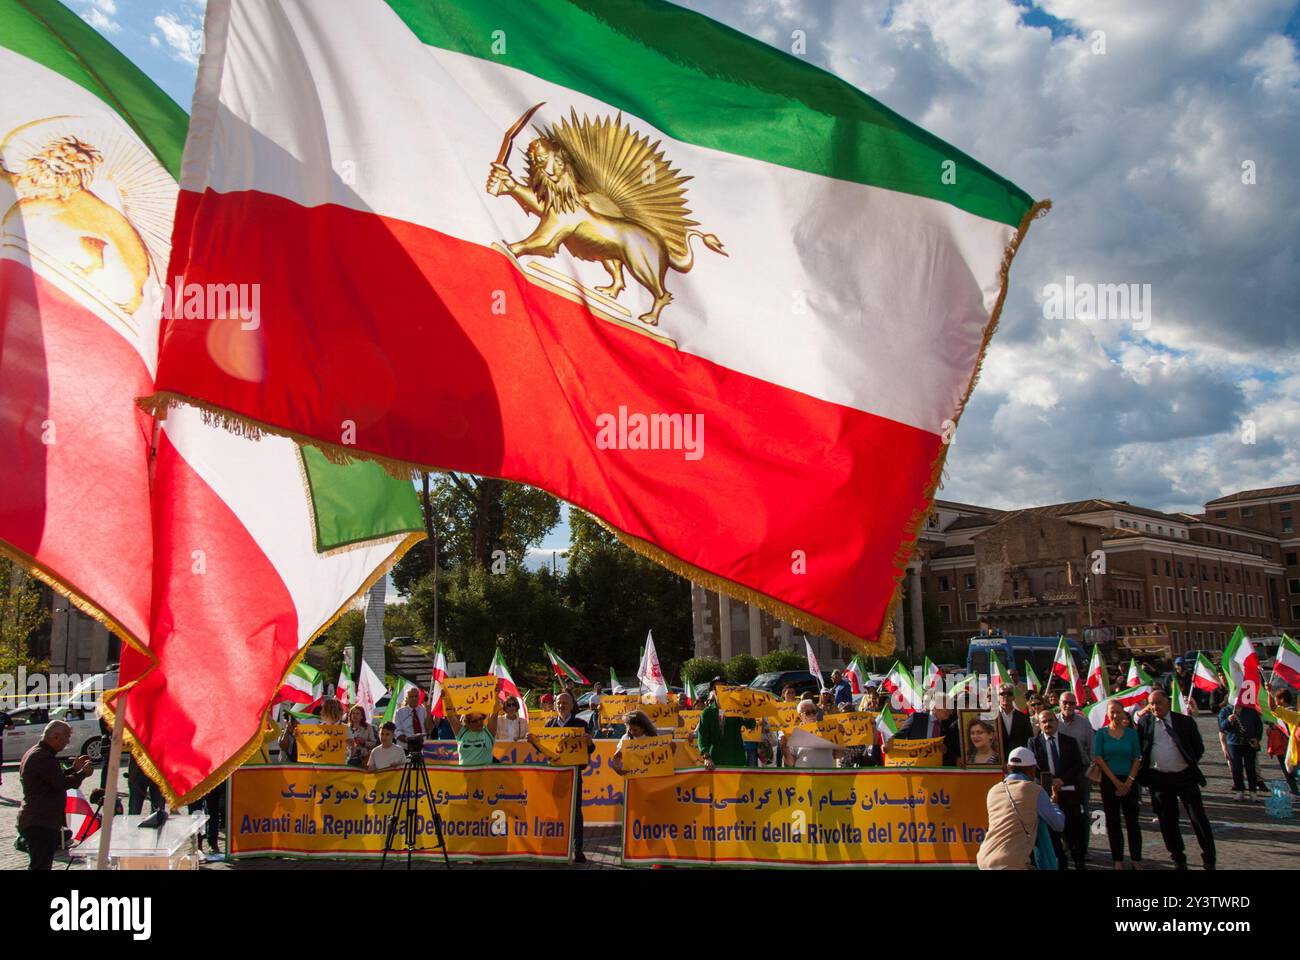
(1189, 578)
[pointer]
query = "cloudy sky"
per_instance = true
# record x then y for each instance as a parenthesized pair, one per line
(1166, 132)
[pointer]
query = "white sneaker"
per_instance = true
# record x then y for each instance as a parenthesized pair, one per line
(1239, 797)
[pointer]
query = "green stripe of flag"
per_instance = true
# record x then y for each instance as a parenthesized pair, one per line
(50, 34)
(704, 83)
(358, 501)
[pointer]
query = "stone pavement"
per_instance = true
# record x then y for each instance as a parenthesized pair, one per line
(1246, 838)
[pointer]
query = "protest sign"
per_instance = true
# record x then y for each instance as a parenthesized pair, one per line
(648, 757)
(827, 729)
(857, 729)
(859, 818)
(914, 753)
(471, 694)
(614, 706)
(745, 702)
(662, 715)
(562, 746)
(488, 813)
(322, 742)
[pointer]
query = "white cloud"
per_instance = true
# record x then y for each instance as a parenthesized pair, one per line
(1142, 150)
(184, 40)
(99, 14)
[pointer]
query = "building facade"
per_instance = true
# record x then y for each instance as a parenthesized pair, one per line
(1184, 579)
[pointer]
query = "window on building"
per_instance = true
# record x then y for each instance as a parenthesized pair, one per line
(1180, 569)
(1174, 636)
(1284, 508)
(1148, 528)
(1155, 598)
(1241, 604)
(970, 581)
(1291, 559)
(1154, 568)
(1247, 511)
(1204, 574)
(1199, 636)
(1196, 601)
(945, 613)
(1215, 571)
(1218, 603)
(970, 613)
(1295, 611)
(1293, 585)
(1182, 598)
(1172, 606)
(1221, 514)
(1167, 568)
(943, 584)
(1250, 604)
(1286, 525)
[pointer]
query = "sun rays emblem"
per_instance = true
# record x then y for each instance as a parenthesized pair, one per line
(89, 206)
(608, 195)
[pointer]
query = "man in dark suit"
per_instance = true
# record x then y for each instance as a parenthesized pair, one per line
(1013, 725)
(1059, 755)
(937, 722)
(1171, 752)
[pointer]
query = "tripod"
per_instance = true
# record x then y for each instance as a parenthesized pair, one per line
(415, 777)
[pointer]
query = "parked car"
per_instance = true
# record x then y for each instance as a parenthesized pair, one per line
(801, 680)
(29, 724)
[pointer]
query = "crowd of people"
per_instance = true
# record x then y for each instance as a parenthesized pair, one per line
(1039, 815)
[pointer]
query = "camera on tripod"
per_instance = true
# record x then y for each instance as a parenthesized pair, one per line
(414, 746)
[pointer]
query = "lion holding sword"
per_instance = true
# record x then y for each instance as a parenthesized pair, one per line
(606, 195)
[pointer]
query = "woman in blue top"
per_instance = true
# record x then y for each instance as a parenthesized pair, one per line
(1119, 756)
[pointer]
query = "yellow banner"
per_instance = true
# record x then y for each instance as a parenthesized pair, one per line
(602, 786)
(614, 706)
(488, 813)
(745, 702)
(322, 743)
(841, 817)
(687, 723)
(471, 694)
(662, 715)
(686, 754)
(648, 757)
(784, 716)
(857, 729)
(538, 719)
(827, 728)
(914, 753)
(562, 746)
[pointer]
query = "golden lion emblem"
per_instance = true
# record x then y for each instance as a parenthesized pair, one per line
(55, 202)
(607, 195)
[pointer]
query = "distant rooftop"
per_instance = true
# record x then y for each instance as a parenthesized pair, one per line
(1290, 490)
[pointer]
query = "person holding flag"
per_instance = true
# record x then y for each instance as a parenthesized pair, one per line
(1243, 729)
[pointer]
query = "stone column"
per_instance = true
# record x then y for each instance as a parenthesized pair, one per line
(699, 600)
(372, 640)
(918, 623)
(787, 636)
(898, 629)
(724, 627)
(755, 631)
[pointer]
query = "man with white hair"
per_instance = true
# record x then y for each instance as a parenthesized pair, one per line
(45, 788)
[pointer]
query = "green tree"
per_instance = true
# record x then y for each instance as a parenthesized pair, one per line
(700, 670)
(474, 518)
(343, 633)
(400, 621)
(777, 661)
(23, 611)
(741, 669)
(618, 595)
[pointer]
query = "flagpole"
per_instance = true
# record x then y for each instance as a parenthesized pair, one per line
(431, 532)
(114, 762)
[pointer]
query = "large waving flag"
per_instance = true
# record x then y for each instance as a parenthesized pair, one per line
(370, 690)
(856, 674)
(1136, 675)
(651, 675)
(89, 152)
(629, 191)
(255, 547)
(437, 675)
(259, 547)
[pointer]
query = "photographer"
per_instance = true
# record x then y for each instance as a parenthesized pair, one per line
(1242, 729)
(45, 788)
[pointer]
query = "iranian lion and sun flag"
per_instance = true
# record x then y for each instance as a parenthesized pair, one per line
(580, 213)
